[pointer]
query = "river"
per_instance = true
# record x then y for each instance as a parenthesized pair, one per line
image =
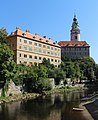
(51, 107)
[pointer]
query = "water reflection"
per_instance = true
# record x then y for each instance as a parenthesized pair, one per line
(52, 107)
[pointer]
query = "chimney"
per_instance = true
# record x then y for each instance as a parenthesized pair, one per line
(17, 28)
(28, 31)
(36, 34)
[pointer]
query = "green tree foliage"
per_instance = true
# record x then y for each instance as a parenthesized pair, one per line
(77, 71)
(34, 78)
(84, 68)
(87, 66)
(3, 35)
(47, 64)
(7, 64)
(58, 74)
(96, 71)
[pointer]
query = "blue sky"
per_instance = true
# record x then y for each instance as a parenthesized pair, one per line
(53, 18)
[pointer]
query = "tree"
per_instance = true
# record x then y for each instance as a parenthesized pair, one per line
(3, 35)
(87, 66)
(7, 64)
(47, 64)
(58, 75)
(70, 69)
(42, 71)
(96, 71)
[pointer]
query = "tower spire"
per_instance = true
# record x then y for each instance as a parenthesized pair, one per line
(75, 31)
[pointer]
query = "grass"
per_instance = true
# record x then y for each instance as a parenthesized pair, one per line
(62, 90)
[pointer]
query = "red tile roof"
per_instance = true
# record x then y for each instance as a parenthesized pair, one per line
(35, 37)
(73, 43)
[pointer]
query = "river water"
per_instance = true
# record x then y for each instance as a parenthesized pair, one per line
(52, 107)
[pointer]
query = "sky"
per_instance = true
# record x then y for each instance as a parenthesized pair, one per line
(53, 18)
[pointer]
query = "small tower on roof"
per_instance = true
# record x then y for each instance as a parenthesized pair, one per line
(75, 31)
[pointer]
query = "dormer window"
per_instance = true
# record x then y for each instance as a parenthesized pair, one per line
(24, 34)
(40, 39)
(34, 36)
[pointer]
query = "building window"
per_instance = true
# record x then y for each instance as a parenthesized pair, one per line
(25, 62)
(25, 47)
(20, 40)
(44, 46)
(48, 52)
(75, 37)
(51, 60)
(40, 58)
(25, 41)
(30, 63)
(55, 60)
(25, 56)
(51, 48)
(19, 47)
(48, 47)
(35, 57)
(35, 44)
(58, 61)
(20, 55)
(55, 48)
(40, 45)
(30, 42)
(30, 56)
(30, 49)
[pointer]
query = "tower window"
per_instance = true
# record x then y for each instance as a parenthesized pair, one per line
(75, 37)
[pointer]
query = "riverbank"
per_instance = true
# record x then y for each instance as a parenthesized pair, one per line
(27, 96)
(63, 89)
(18, 97)
(90, 109)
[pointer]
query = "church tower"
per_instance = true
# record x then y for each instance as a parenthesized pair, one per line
(75, 31)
